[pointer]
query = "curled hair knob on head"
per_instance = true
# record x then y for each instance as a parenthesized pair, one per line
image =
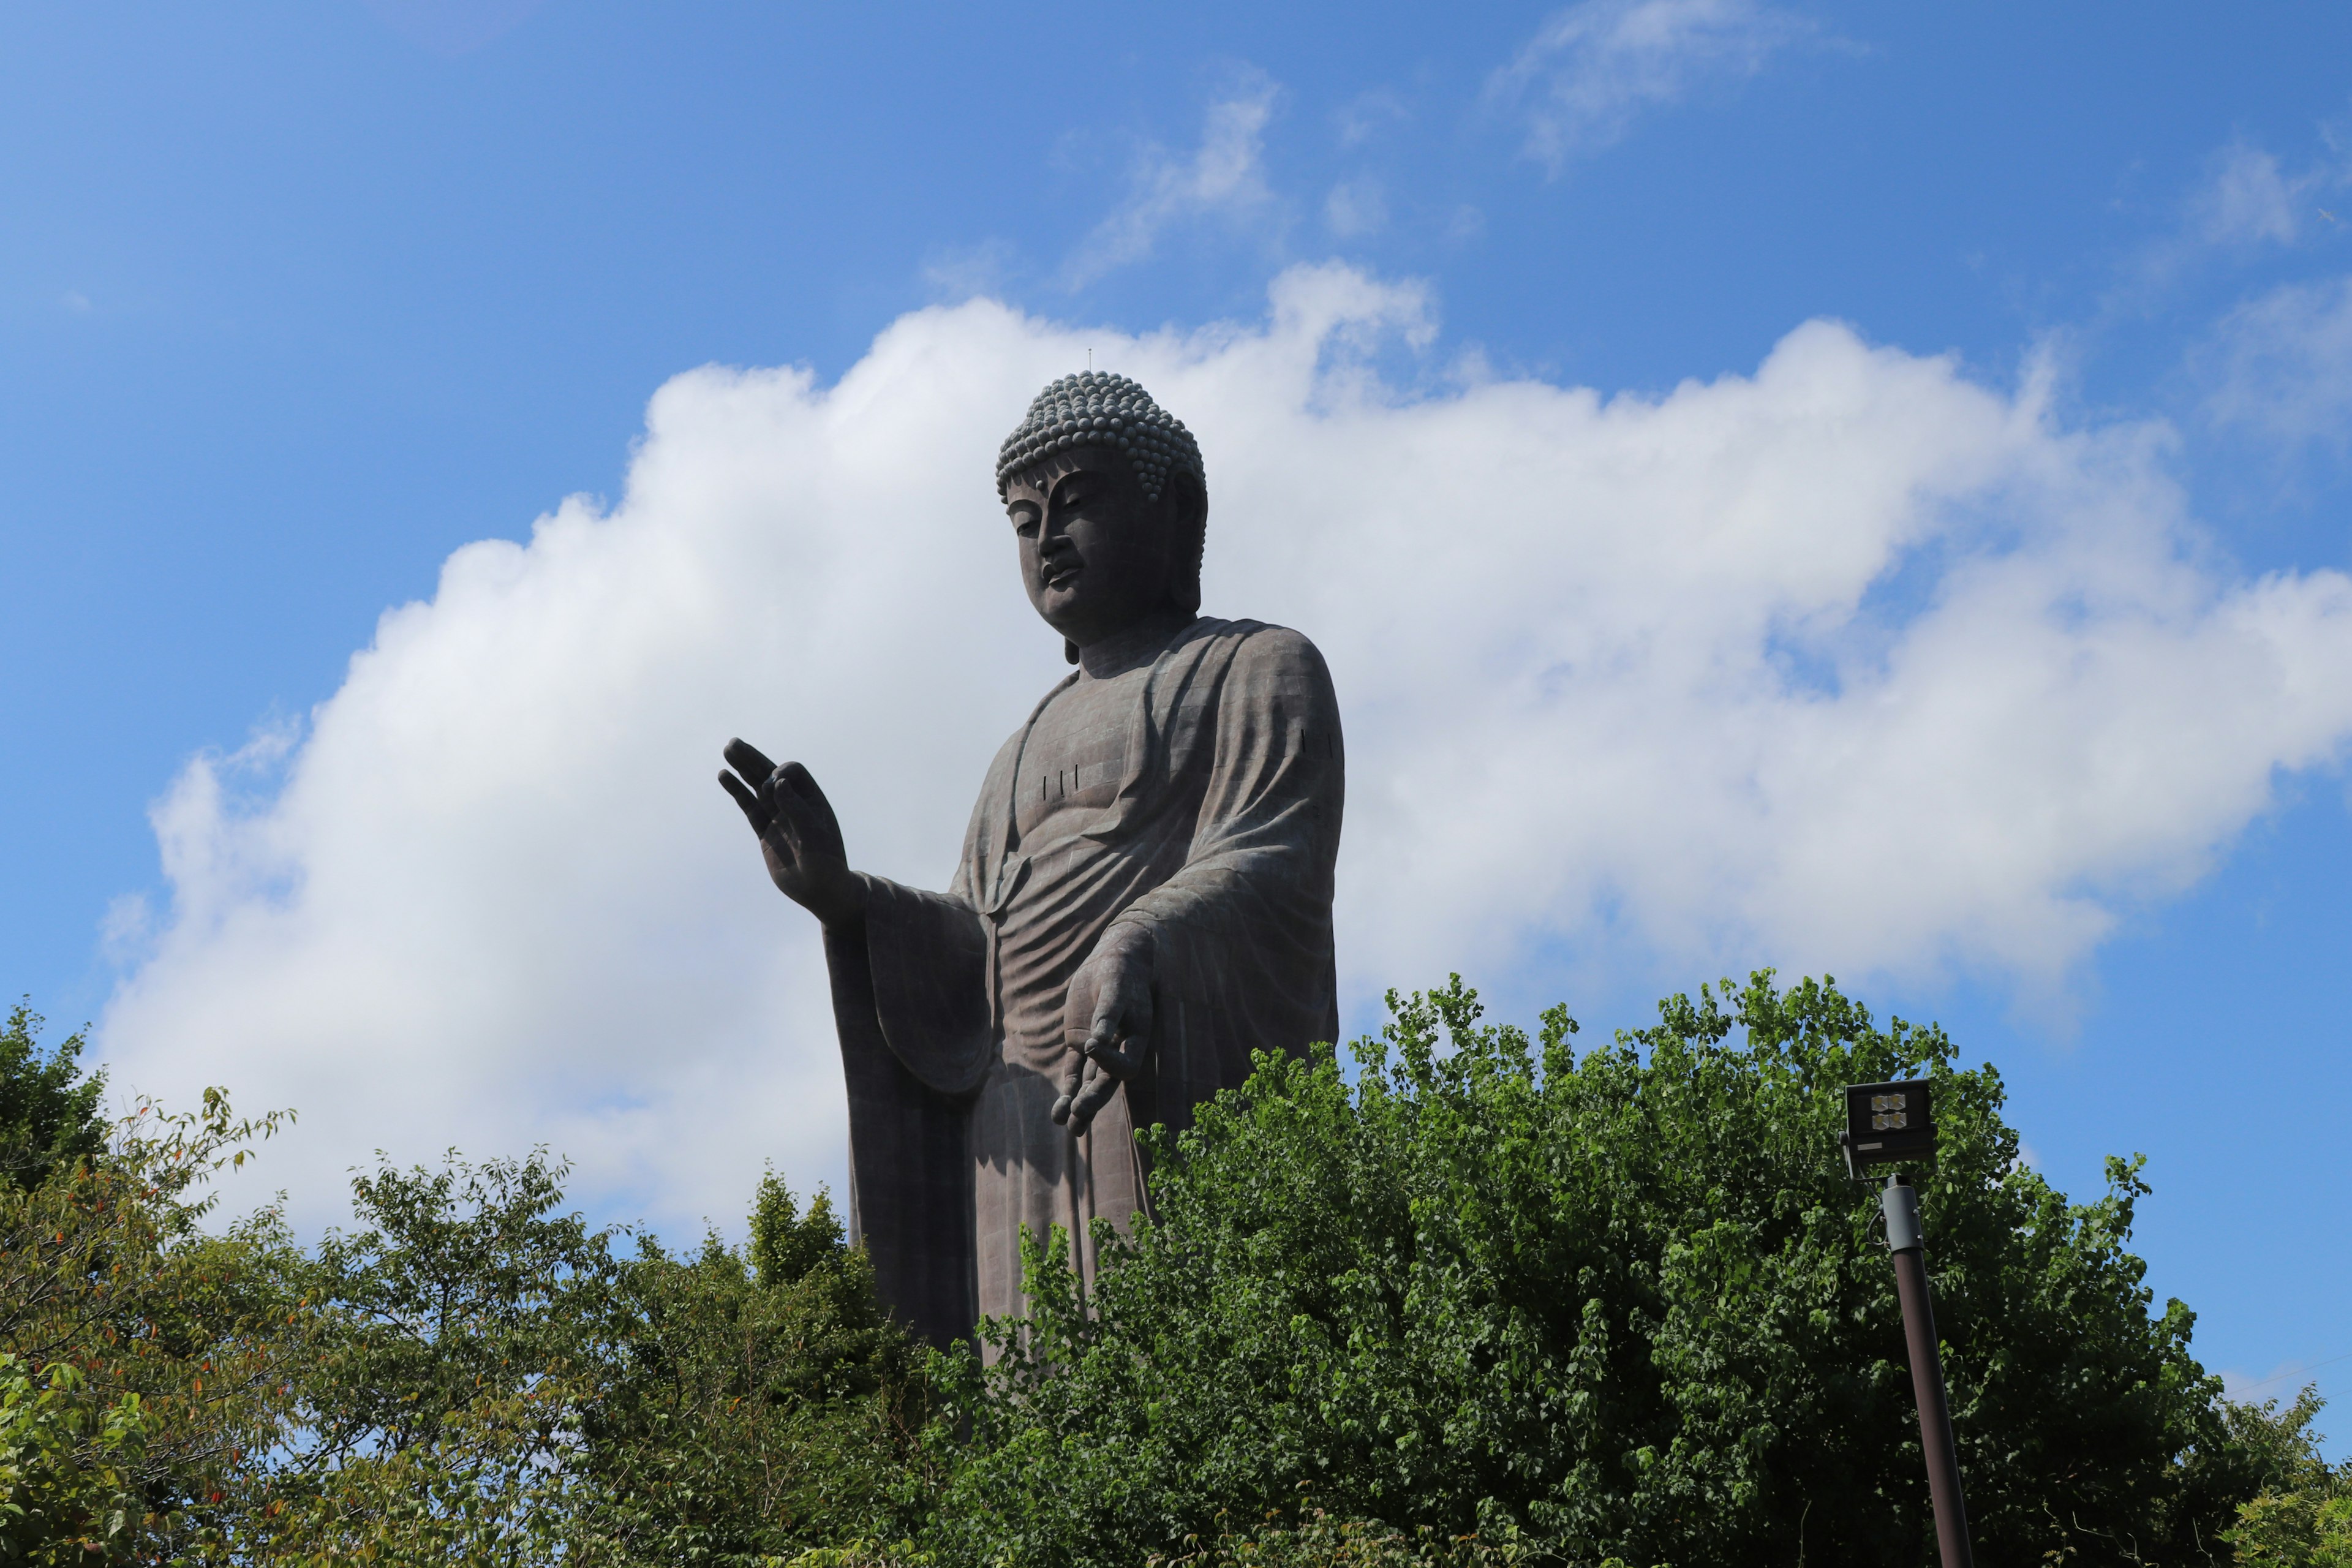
(1099, 408)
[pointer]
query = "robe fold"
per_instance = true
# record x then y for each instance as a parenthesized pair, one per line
(1195, 794)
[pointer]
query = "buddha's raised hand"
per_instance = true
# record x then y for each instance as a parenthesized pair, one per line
(799, 836)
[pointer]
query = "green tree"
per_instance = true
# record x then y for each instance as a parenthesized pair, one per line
(68, 1490)
(450, 1343)
(50, 1111)
(486, 1379)
(456, 1286)
(1494, 1300)
(133, 1321)
(2303, 1518)
(765, 1404)
(1623, 1303)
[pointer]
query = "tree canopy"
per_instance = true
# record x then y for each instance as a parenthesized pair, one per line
(1490, 1297)
(50, 1109)
(1624, 1302)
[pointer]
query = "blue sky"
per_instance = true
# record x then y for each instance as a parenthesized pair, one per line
(296, 301)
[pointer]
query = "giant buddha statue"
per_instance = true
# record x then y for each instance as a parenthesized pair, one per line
(1142, 902)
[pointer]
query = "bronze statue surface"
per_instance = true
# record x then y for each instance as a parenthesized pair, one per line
(1143, 900)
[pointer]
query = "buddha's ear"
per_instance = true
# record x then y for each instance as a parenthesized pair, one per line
(1184, 592)
(1069, 651)
(1188, 520)
(1187, 502)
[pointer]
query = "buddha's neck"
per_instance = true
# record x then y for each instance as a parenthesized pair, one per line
(1131, 645)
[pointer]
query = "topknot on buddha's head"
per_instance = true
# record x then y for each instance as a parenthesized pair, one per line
(1096, 408)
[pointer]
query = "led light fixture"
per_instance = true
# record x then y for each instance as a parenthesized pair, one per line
(1887, 1124)
(1895, 1124)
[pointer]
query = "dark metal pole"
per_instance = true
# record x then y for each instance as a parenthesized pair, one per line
(1901, 1204)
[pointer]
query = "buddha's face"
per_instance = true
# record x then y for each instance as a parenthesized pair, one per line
(1097, 556)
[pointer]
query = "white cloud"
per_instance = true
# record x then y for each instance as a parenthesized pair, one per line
(2245, 204)
(1224, 176)
(1849, 663)
(2281, 364)
(2247, 200)
(1356, 208)
(1367, 114)
(2281, 1384)
(1594, 66)
(957, 273)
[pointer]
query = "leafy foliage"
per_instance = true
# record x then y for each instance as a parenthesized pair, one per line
(135, 1323)
(49, 1113)
(462, 1285)
(765, 1402)
(489, 1381)
(1314, 1539)
(1495, 1300)
(2303, 1518)
(469, 1376)
(66, 1491)
(1625, 1303)
(2308, 1526)
(447, 1349)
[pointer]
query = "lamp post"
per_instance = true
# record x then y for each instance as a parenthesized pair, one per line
(1887, 1123)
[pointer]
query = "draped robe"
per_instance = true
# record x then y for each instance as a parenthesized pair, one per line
(1195, 794)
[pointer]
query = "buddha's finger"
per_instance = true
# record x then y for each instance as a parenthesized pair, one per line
(790, 805)
(1100, 1089)
(1073, 1075)
(753, 812)
(1122, 1019)
(747, 759)
(1110, 1015)
(803, 781)
(800, 781)
(1118, 1057)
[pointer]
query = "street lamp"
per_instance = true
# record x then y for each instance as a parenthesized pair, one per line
(1888, 1124)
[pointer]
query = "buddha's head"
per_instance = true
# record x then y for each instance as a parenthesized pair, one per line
(1108, 500)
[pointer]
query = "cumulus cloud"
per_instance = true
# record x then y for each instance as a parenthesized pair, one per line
(2281, 365)
(1223, 176)
(1593, 68)
(1850, 661)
